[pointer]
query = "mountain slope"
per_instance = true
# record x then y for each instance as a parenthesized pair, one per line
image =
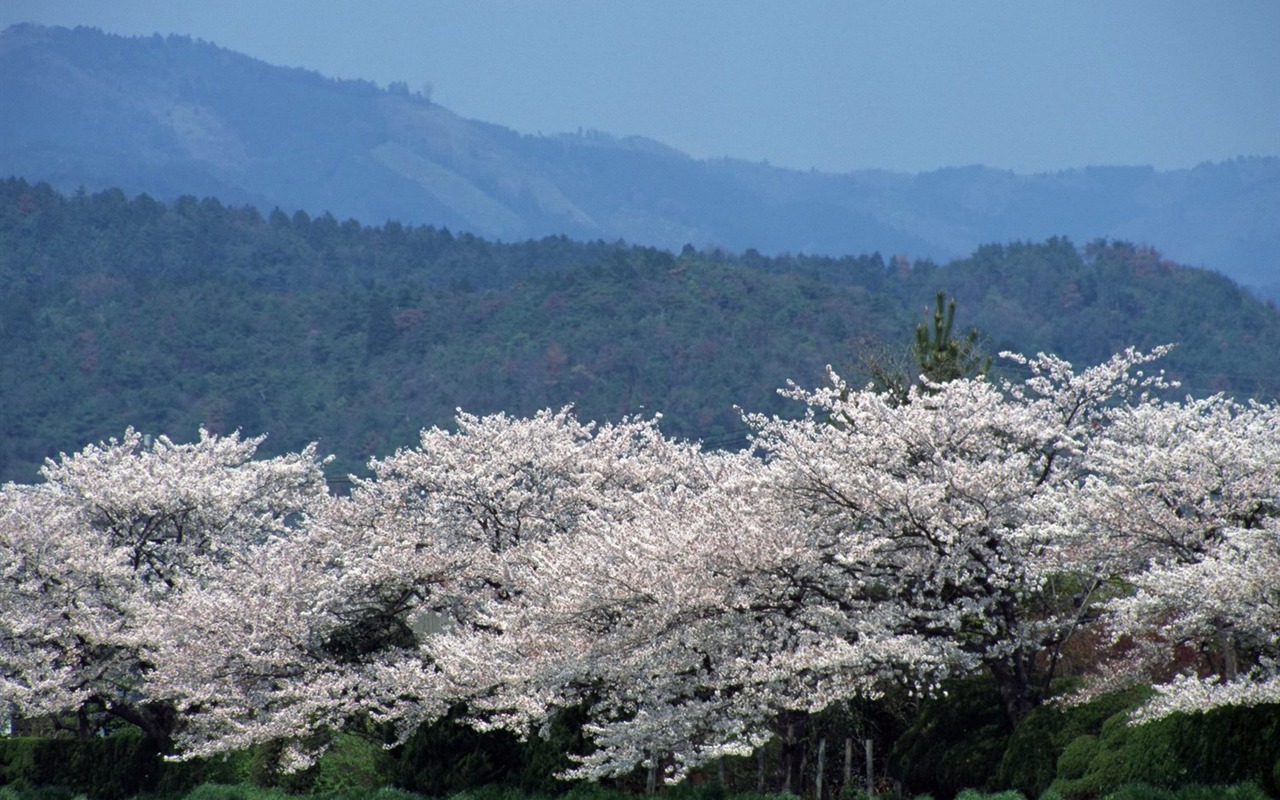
(118, 311)
(172, 116)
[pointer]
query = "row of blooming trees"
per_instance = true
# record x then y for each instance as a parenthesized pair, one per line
(688, 599)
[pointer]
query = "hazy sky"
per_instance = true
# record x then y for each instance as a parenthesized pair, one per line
(914, 86)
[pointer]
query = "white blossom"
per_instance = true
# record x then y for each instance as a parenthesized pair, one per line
(93, 559)
(687, 598)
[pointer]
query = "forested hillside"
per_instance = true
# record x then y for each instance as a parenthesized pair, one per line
(173, 116)
(118, 311)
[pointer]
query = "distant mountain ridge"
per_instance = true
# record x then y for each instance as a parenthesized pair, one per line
(173, 116)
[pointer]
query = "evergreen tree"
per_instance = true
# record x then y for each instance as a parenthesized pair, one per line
(935, 357)
(941, 357)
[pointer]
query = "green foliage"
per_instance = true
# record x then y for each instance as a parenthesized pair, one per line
(47, 793)
(448, 756)
(219, 791)
(1140, 791)
(1085, 304)
(974, 794)
(936, 357)
(1194, 791)
(1223, 746)
(392, 793)
(940, 356)
(352, 764)
(1076, 758)
(593, 791)
(1082, 751)
(956, 740)
(105, 768)
(1030, 762)
(108, 768)
(1240, 791)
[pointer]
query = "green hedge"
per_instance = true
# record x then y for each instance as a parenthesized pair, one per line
(113, 767)
(108, 768)
(1223, 746)
(956, 743)
(1031, 760)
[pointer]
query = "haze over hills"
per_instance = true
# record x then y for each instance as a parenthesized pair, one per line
(172, 116)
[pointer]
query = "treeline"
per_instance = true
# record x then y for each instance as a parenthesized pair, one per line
(956, 743)
(118, 311)
(613, 573)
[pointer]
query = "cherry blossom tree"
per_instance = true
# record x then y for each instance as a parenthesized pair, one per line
(943, 515)
(1186, 501)
(427, 547)
(878, 543)
(689, 600)
(680, 628)
(92, 559)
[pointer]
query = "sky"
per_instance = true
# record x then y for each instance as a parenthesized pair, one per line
(834, 86)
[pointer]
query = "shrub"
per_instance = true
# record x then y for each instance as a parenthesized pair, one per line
(106, 768)
(391, 793)
(1030, 762)
(447, 757)
(352, 763)
(1140, 791)
(1241, 791)
(1223, 746)
(1076, 758)
(220, 791)
(113, 767)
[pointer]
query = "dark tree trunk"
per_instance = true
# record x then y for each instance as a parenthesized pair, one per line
(1015, 678)
(158, 721)
(792, 751)
(83, 729)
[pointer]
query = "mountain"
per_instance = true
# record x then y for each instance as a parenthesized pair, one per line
(118, 311)
(173, 116)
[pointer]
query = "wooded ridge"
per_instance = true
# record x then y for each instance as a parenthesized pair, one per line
(119, 311)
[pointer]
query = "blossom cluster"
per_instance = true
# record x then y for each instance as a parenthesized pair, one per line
(687, 598)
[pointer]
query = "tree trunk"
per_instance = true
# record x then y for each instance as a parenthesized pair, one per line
(848, 763)
(871, 770)
(760, 770)
(822, 765)
(83, 729)
(1015, 679)
(788, 756)
(1230, 666)
(792, 765)
(158, 721)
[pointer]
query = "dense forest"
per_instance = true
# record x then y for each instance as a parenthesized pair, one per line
(121, 311)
